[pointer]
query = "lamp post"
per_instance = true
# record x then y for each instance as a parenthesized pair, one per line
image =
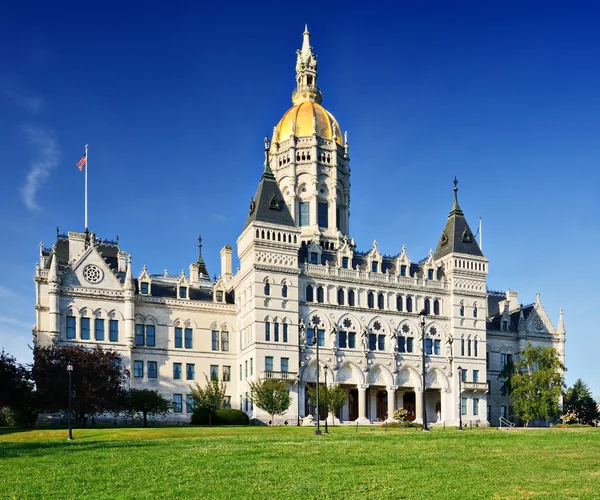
(326, 429)
(460, 427)
(69, 371)
(316, 341)
(422, 317)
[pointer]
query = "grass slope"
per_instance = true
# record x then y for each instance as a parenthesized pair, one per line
(258, 462)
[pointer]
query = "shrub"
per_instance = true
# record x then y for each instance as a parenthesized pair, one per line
(229, 416)
(223, 416)
(402, 425)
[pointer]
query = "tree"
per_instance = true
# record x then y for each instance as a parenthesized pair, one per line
(534, 383)
(331, 398)
(270, 395)
(211, 397)
(579, 401)
(17, 392)
(98, 380)
(147, 402)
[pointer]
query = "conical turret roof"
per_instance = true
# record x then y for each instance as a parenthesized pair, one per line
(457, 236)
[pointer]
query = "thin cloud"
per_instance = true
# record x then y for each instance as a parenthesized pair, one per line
(27, 101)
(15, 322)
(47, 152)
(220, 218)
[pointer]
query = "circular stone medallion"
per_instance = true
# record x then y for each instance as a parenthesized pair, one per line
(93, 274)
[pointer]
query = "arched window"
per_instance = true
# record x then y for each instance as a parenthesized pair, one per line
(399, 302)
(284, 290)
(340, 297)
(370, 300)
(309, 294)
(409, 304)
(427, 306)
(380, 301)
(462, 347)
(462, 309)
(436, 307)
(351, 297)
(320, 295)
(267, 288)
(475, 311)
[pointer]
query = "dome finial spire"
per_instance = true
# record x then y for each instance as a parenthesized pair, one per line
(306, 73)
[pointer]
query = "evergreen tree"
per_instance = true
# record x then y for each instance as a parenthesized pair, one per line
(578, 400)
(534, 383)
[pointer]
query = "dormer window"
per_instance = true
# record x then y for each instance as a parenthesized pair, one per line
(314, 258)
(183, 292)
(345, 262)
(219, 295)
(145, 288)
(374, 265)
(402, 270)
(430, 274)
(505, 326)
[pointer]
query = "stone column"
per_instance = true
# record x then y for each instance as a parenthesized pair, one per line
(418, 404)
(391, 394)
(362, 404)
(301, 389)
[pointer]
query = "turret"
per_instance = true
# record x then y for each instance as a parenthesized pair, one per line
(54, 297)
(129, 296)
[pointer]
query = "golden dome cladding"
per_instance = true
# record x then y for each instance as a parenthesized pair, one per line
(304, 117)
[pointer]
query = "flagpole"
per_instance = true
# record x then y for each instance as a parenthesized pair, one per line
(480, 236)
(86, 186)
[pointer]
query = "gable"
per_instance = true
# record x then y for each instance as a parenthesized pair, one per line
(92, 272)
(539, 322)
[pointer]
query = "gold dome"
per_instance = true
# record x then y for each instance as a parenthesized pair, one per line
(304, 118)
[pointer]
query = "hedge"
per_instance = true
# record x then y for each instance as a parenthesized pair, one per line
(223, 416)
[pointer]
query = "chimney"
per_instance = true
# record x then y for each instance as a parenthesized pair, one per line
(226, 253)
(513, 299)
(76, 245)
(122, 260)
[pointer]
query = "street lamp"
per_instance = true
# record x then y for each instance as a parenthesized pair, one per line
(326, 429)
(460, 427)
(422, 317)
(316, 341)
(69, 371)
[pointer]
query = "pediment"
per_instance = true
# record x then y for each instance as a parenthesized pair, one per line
(539, 322)
(91, 271)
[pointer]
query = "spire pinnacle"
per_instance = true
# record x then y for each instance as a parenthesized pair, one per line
(455, 206)
(560, 329)
(200, 259)
(53, 274)
(268, 172)
(129, 275)
(306, 73)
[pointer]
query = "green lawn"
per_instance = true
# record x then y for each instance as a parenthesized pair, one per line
(282, 462)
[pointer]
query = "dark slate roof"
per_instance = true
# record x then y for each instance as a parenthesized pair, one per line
(268, 204)
(108, 249)
(169, 291)
(457, 236)
(493, 303)
(493, 322)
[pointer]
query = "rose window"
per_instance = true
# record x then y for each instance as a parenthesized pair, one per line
(93, 274)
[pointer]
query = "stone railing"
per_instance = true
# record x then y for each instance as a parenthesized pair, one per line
(279, 375)
(316, 269)
(475, 386)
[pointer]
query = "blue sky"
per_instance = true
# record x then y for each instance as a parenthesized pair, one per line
(174, 101)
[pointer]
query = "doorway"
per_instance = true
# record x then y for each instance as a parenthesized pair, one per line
(409, 405)
(382, 405)
(352, 404)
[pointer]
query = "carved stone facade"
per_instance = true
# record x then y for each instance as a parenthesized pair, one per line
(301, 283)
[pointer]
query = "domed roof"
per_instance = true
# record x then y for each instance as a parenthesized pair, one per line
(302, 119)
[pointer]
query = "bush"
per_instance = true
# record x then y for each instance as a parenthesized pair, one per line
(223, 416)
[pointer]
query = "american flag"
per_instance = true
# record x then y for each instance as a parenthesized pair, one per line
(82, 163)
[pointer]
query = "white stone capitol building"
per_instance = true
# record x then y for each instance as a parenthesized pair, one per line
(301, 276)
